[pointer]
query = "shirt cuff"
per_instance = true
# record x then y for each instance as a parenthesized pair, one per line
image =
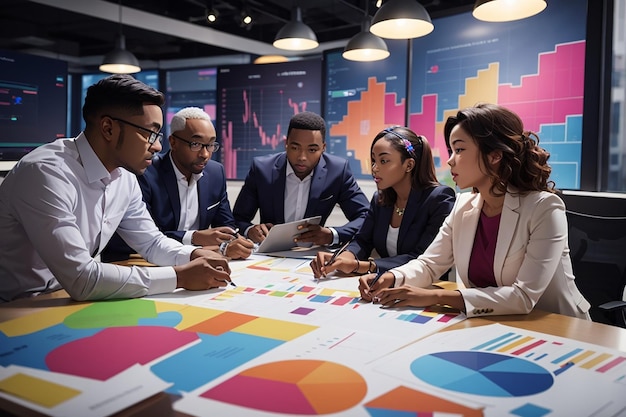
(162, 280)
(187, 237)
(335, 236)
(399, 276)
(184, 254)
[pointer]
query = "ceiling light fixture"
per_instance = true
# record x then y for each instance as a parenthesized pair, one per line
(246, 18)
(295, 35)
(507, 10)
(212, 15)
(119, 60)
(270, 59)
(365, 46)
(401, 19)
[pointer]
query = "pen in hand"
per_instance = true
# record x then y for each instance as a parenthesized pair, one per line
(219, 268)
(375, 280)
(337, 253)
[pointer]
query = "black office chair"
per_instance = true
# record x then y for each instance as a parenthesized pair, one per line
(598, 252)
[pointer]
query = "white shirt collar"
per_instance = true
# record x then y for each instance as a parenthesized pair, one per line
(290, 171)
(94, 168)
(180, 175)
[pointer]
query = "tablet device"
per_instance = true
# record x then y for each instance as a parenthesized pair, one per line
(280, 236)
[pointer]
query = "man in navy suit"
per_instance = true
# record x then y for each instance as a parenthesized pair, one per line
(185, 191)
(301, 182)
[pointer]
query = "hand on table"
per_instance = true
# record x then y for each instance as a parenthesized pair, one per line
(203, 273)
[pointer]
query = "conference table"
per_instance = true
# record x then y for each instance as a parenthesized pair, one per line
(161, 404)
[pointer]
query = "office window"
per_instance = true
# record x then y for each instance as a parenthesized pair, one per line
(617, 131)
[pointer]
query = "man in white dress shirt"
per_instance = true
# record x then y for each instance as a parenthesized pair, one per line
(62, 202)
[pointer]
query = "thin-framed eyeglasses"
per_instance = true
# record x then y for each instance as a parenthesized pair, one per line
(196, 146)
(151, 138)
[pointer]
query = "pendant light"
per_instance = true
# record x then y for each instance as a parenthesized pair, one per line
(295, 35)
(119, 60)
(270, 59)
(365, 46)
(507, 10)
(401, 19)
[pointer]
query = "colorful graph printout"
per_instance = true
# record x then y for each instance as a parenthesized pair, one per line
(302, 387)
(305, 300)
(184, 345)
(403, 401)
(510, 371)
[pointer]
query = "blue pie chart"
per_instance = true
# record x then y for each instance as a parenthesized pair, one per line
(482, 373)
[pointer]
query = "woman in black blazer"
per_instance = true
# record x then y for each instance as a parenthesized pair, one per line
(405, 213)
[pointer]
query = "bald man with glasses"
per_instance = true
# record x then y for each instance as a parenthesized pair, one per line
(61, 203)
(185, 191)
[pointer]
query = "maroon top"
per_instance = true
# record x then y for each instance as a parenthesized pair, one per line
(483, 253)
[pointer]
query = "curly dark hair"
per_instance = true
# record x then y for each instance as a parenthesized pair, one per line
(524, 164)
(119, 92)
(410, 145)
(307, 120)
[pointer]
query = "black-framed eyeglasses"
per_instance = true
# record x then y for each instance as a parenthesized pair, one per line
(196, 146)
(151, 138)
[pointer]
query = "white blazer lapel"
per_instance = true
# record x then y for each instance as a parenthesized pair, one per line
(506, 232)
(465, 241)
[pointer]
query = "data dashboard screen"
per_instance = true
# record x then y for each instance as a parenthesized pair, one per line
(33, 102)
(256, 103)
(361, 99)
(539, 74)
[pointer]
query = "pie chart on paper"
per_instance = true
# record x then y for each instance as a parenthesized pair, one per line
(298, 387)
(482, 373)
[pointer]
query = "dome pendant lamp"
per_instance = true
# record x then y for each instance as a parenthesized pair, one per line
(401, 19)
(365, 46)
(119, 60)
(507, 10)
(295, 35)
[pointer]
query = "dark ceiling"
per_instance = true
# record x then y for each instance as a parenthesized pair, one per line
(74, 30)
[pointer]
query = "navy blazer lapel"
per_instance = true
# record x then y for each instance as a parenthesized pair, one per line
(413, 207)
(171, 186)
(380, 232)
(203, 200)
(277, 195)
(318, 184)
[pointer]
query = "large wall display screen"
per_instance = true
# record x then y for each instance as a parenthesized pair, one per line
(190, 88)
(256, 103)
(533, 66)
(33, 102)
(362, 98)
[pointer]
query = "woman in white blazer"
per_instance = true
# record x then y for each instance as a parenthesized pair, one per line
(507, 238)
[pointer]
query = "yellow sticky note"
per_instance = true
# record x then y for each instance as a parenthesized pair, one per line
(37, 390)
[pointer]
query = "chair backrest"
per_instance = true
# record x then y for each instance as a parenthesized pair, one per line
(598, 252)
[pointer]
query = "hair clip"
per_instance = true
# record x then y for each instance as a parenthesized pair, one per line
(407, 143)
